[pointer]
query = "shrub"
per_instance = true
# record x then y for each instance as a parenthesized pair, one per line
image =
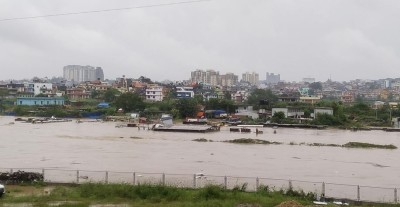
(212, 192)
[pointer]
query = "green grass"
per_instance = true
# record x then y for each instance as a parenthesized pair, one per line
(157, 195)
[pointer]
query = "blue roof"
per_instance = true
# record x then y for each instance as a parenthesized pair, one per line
(103, 105)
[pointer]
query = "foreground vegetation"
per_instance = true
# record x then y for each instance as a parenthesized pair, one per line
(91, 194)
(147, 195)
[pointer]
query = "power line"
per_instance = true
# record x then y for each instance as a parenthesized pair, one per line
(103, 10)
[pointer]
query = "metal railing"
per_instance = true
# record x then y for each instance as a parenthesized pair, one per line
(328, 190)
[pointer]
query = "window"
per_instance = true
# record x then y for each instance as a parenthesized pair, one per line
(20, 102)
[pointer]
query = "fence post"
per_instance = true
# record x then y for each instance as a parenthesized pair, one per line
(358, 193)
(194, 181)
(290, 185)
(257, 183)
(163, 178)
(134, 178)
(106, 177)
(43, 174)
(11, 171)
(395, 195)
(77, 176)
(323, 190)
(226, 182)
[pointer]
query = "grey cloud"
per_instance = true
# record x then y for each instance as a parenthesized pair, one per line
(346, 39)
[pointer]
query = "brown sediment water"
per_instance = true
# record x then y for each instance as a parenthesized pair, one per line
(102, 146)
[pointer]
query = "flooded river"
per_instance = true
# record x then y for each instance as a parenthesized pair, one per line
(102, 146)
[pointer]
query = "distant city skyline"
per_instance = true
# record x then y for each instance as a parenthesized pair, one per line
(78, 73)
(341, 40)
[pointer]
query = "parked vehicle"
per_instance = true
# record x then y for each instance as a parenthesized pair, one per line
(2, 190)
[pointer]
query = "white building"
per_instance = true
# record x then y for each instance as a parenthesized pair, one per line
(322, 110)
(289, 112)
(39, 88)
(387, 84)
(247, 111)
(184, 92)
(155, 93)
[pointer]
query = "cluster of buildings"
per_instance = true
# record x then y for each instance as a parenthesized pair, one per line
(213, 78)
(80, 82)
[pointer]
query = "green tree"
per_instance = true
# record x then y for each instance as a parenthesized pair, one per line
(199, 99)
(278, 117)
(111, 95)
(316, 86)
(307, 113)
(221, 104)
(186, 107)
(42, 95)
(21, 110)
(130, 102)
(3, 93)
(94, 94)
(261, 94)
(143, 79)
(327, 119)
(228, 95)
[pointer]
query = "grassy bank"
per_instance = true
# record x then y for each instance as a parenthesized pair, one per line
(146, 195)
(251, 141)
(347, 145)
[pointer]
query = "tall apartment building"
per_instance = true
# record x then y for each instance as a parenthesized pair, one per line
(252, 78)
(229, 79)
(79, 73)
(213, 78)
(198, 76)
(273, 78)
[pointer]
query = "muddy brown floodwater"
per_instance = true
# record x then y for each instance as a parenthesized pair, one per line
(102, 146)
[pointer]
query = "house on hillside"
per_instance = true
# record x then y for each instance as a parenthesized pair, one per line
(155, 93)
(78, 93)
(184, 92)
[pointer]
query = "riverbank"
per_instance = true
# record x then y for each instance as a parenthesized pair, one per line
(146, 195)
(124, 195)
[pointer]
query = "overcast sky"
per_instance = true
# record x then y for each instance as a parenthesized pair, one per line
(342, 39)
